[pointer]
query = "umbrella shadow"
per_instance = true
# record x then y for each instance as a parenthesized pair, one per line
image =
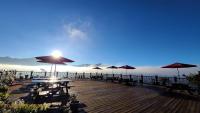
(21, 90)
(75, 107)
(78, 107)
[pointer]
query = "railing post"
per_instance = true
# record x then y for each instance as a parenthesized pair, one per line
(156, 80)
(175, 79)
(83, 75)
(31, 75)
(113, 77)
(121, 78)
(76, 77)
(142, 79)
(67, 74)
(45, 73)
(130, 77)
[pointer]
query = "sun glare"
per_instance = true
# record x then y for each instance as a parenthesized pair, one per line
(56, 53)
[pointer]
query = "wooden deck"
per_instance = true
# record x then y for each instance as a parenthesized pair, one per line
(105, 97)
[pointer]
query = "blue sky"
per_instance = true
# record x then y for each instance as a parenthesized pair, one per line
(135, 32)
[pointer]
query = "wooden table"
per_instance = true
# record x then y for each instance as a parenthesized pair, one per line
(45, 82)
(50, 80)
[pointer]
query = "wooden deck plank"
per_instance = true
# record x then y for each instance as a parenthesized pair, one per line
(106, 97)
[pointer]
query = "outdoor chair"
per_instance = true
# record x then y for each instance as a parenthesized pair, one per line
(116, 79)
(182, 87)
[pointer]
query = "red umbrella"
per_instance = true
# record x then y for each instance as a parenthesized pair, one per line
(179, 65)
(127, 67)
(112, 67)
(52, 60)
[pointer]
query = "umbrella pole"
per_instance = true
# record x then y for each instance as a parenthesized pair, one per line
(178, 73)
(51, 70)
(55, 71)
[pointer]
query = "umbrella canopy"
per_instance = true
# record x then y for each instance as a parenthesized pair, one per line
(112, 67)
(53, 60)
(97, 68)
(179, 65)
(127, 67)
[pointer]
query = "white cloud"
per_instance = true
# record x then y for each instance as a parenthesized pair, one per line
(76, 33)
(77, 29)
(145, 70)
(28, 64)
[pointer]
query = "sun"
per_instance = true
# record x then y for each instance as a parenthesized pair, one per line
(56, 53)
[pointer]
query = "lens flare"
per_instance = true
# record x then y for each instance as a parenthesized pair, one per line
(56, 53)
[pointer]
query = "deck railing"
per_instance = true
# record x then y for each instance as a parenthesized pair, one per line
(158, 80)
(146, 79)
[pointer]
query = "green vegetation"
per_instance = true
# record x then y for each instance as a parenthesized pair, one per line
(7, 80)
(4, 97)
(3, 94)
(28, 108)
(3, 89)
(194, 78)
(19, 106)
